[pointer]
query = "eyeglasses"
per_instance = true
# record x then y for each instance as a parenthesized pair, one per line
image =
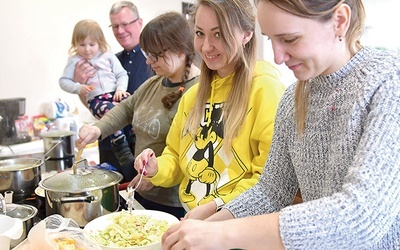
(122, 25)
(153, 56)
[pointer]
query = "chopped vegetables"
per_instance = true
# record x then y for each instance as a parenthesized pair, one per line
(128, 230)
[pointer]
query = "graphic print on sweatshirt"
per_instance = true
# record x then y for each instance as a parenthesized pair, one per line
(207, 168)
(147, 119)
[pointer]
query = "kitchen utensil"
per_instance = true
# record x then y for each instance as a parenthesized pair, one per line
(8, 196)
(83, 196)
(131, 191)
(60, 144)
(77, 160)
(20, 175)
(101, 223)
(48, 152)
(11, 228)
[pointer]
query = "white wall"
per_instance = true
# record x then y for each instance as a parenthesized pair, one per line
(36, 37)
(380, 31)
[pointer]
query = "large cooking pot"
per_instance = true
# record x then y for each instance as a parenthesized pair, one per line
(59, 144)
(20, 175)
(83, 196)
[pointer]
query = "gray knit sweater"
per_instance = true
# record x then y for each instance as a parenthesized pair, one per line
(347, 163)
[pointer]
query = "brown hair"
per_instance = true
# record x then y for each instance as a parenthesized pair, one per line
(321, 10)
(234, 15)
(173, 32)
(87, 28)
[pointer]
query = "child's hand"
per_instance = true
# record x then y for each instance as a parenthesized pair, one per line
(120, 95)
(85, 89)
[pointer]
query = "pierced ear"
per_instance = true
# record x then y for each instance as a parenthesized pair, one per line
(341, 18)
(247, 35)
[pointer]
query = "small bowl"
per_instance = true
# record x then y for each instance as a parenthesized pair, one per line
(104, 221)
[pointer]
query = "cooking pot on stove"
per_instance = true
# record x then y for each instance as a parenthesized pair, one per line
(59, 144)
(21, 175)
(83, 196)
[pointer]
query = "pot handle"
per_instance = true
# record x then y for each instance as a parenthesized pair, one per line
(87, 199)
(53, 147)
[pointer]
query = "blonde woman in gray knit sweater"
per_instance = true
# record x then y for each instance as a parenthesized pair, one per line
(336, 137)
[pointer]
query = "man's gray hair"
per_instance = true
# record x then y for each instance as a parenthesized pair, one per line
(117, 7)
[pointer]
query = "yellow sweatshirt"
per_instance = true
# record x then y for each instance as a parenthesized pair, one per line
(204, 170)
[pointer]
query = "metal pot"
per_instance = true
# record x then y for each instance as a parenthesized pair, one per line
(59, 144)
(26, 213)
(83, 196)
(21, 175)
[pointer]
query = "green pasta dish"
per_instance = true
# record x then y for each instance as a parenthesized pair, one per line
(130, 230)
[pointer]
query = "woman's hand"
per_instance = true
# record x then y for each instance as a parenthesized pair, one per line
(148, 160)
(254, 232)
(202, 212)
(194, 234)
(145, 184)
(88, 134)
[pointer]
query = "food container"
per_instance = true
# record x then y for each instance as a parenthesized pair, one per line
(59, 144)
(20, 175)
(26, 214)
(156, 224)
(83, 196)
(11, 228)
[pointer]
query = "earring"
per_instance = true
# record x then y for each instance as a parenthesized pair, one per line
(340, 39)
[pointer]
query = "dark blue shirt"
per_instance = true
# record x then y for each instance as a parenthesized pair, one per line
(138, 71)
(134, 63)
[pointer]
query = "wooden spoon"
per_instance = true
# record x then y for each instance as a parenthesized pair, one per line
(78, 157)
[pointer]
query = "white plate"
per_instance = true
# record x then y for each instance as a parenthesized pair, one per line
(102, 222)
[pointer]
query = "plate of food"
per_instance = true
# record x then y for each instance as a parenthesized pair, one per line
(138, 230)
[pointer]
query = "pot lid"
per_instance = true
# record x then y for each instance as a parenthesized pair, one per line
(57, 133)
(23, 212)
(86, 179)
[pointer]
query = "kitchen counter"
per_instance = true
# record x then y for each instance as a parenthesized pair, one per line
(21, 149)
(36, 149)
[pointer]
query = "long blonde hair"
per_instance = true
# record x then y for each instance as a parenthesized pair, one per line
(232, 16)
(87, 28)
(321, 10)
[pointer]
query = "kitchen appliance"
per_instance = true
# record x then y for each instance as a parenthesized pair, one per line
(10, 110)
(59, 147)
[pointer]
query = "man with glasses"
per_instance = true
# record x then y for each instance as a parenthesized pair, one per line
(126, 25)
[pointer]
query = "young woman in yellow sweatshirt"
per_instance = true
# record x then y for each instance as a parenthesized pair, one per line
(221, 135)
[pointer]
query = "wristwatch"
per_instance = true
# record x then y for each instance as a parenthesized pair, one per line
(220, 203)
